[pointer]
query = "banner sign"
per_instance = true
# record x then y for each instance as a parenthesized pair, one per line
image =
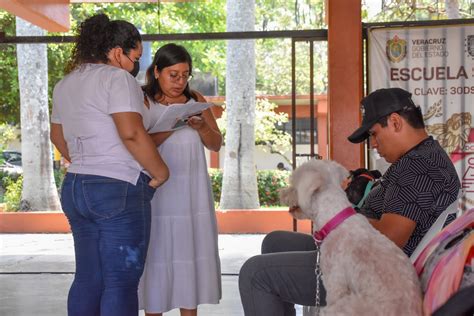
(436, 64)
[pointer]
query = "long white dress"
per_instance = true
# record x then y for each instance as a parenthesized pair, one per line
(182, 266)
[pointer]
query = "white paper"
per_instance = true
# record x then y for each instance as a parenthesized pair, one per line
(175, 116)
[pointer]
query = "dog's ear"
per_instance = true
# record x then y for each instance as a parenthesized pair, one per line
(338, 172)
(375, 173)
(359, 171)
(307, 185)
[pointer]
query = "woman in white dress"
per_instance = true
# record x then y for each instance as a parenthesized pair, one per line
(182, 267)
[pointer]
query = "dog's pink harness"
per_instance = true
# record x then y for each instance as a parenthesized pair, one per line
(332, 224)
(318, 239)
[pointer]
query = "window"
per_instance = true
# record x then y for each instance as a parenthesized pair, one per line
(303, 130)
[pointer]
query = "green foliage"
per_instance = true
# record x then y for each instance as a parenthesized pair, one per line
(4, 181)
(409, 10)
(58, 57)
(9, 93)
(273, 56)
(59, 178)
(12, 185)
(169, 18)
(268, 183)
(12, 196)
(289, 15)
(267, 135)
(7, 134)
(216, 183)
(273, 60)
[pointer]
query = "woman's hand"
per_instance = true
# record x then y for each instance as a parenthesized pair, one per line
(154, 183)
(197, 122)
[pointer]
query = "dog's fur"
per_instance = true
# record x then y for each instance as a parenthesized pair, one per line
(364, 273)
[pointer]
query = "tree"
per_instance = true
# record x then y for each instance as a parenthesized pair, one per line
(410, 10)
(267, 135)
(39, 189)
(239, 183)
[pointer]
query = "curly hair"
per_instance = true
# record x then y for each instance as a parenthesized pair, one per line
(97, 35)
(168, 55)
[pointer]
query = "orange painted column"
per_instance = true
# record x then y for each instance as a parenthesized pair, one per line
(322, 118)
(345, 80)
(52, 16)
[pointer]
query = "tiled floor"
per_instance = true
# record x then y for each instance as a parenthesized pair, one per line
(36, 271)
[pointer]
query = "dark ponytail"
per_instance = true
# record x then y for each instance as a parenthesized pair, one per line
(97, 35)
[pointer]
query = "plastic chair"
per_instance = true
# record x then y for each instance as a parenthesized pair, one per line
(436, 227)
(309, 310)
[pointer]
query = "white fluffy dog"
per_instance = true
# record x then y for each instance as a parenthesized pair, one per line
(364, 273)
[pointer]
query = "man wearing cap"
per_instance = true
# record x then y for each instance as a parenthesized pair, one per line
(420, 183)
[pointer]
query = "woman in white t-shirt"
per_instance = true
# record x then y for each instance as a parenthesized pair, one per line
(97, 124)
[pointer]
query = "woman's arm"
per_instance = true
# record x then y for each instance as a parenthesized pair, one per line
(57, 138)
(207, 128)
(140, 145)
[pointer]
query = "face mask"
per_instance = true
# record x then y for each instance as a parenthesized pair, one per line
(136, 67)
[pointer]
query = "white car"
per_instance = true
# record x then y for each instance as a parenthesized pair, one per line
(11, 162)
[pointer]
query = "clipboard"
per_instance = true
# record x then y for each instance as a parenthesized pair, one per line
(176, 116)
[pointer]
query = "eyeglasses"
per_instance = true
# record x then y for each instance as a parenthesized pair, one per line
(176, 77)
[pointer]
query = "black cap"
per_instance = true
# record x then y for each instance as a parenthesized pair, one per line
(378, 104)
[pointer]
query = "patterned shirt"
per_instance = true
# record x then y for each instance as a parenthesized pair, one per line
(419, 186)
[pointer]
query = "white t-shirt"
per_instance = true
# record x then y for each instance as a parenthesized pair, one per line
(83, 103)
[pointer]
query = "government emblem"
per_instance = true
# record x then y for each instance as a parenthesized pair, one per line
(396, 49)
(470, 45)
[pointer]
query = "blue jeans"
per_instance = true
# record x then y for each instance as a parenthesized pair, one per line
(110, 223)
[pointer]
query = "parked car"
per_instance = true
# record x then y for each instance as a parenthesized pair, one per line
(11, 162)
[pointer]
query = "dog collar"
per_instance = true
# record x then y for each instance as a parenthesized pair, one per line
(367, 176)
(368, 187)
(332, 224)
